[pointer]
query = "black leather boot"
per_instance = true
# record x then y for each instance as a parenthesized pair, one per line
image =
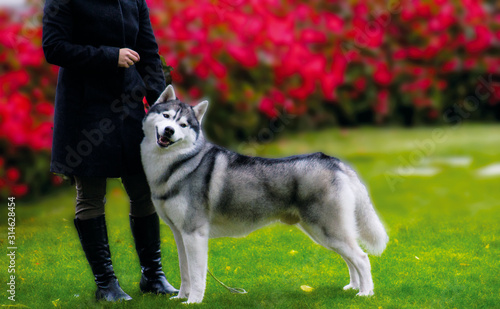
(146, 232)
(94, 239)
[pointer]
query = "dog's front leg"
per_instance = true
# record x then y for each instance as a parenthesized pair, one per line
(196, 245)
(183, 264)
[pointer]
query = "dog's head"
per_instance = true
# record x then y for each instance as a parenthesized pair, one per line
(172, 123)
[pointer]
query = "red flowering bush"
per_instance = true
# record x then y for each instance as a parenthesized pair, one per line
(326, 62)
(27, 87)
(330, 62)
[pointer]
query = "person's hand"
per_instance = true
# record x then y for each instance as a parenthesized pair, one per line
(127, 58)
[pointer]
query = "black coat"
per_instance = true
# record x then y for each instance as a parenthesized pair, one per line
(98, 106)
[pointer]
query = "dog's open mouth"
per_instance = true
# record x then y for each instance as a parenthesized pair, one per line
(163, 141)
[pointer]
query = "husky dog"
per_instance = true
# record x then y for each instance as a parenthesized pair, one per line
(204, 191)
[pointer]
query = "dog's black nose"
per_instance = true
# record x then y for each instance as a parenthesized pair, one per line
(169, 131)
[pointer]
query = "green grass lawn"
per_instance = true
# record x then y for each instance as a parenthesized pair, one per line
(441, 215)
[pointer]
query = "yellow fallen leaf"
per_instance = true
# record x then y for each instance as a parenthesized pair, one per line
(293, 252)
(228, 268)
(56, 302)
(487, 246)
(306, 288)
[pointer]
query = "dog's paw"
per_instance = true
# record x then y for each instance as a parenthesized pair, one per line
(181, 295)
(351, 286)
(190, 302)
(177, 297)
(193, 300)
(365, 293)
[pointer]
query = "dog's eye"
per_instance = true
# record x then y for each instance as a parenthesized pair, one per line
(183, 125)
(166, 116)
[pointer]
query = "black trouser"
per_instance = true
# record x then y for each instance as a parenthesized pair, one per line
(91, 192)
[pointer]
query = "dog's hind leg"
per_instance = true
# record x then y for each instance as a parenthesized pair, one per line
(349, 250)
(359, 262)
(353, 275)
(357, 259)
(196, 245)
(183, 264)
(335, 229)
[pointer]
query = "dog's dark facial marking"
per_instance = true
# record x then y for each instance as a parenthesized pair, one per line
(181, 109)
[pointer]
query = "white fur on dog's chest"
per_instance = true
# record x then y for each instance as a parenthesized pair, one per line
(174, 209)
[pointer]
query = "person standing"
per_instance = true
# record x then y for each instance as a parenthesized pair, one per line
(109, 61)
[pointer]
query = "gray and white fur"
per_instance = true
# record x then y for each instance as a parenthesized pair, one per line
(204, 191)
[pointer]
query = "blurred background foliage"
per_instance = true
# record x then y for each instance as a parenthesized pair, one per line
(268, 64)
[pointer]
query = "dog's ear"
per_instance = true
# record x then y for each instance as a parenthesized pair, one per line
(200, 109)
(167, 95)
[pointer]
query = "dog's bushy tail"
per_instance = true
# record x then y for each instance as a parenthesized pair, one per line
(371, 231)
